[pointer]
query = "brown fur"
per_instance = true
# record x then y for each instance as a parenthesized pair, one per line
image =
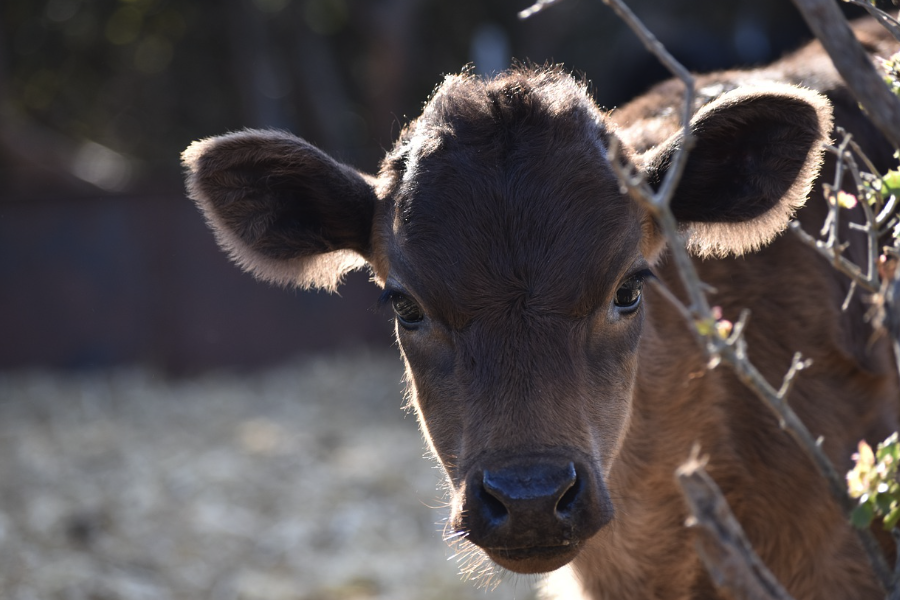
(500, 233)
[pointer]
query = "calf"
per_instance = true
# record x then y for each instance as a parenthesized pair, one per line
(557, 389)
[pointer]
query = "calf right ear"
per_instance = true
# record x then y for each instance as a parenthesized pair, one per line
(757, 154)
(282, 209)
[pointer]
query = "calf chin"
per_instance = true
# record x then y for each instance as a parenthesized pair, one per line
(531, 513)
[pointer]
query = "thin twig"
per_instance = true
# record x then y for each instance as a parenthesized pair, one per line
(734, 354)
(870, 228)
(536, 8)
(797, 365)
(886, 20)
(722, 545)
(838, 262)
(889, 210)
(830, 27)
(862, 155)
(831, 248)
(681, 308)
(849, 297)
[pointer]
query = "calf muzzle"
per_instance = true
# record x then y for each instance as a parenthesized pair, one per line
(531, 514)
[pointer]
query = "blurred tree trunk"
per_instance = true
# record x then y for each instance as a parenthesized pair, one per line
(323, 90)
(388, 25)
(259, 78)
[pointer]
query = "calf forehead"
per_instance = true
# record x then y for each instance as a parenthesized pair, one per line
(504, 192)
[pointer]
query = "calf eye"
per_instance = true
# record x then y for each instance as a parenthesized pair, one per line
(628, 296)
(407, 310)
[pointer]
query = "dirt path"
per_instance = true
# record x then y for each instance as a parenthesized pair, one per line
(304, 482)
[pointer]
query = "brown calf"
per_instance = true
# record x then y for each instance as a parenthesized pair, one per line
(557, 390)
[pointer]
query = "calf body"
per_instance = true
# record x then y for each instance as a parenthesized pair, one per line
(557, 390)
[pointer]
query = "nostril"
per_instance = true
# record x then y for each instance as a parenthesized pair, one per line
(567, 500)
(492, 508)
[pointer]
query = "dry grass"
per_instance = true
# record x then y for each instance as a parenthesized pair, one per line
(304, 482)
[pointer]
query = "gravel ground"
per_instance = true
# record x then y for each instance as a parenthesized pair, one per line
(303, 482)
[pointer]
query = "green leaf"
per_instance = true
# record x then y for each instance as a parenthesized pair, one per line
(862, 515)
(891, 519)
(888, 453)
(890, 184)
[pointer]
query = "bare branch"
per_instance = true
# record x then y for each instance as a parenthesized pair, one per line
(831, 248)
(536, 8)
(862, 155)
(732, 350)
(722, 545)
(838, 262)
(797, 365)
(886, 20)
(830, 27)
(846, 304)
(653, 45)
(890, 208)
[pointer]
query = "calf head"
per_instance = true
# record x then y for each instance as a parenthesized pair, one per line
(515, 266)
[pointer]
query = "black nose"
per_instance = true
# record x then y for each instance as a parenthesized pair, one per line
(534, 504)
(540, 491)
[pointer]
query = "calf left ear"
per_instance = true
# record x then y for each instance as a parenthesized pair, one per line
(757, 153)
(282, 209)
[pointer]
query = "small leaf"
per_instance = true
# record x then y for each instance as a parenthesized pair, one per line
(890, 184)
(891, 519)
(705, 326)
(862, 515)
(887, 452)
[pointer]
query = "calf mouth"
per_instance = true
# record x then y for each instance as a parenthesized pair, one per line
(535, 559)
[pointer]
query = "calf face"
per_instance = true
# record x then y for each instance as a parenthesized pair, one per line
(515, 266)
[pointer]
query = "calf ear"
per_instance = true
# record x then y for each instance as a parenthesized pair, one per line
(282, 209)
(757, 153)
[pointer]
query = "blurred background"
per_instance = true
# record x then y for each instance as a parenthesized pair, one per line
(102, 260)
(165, 419)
